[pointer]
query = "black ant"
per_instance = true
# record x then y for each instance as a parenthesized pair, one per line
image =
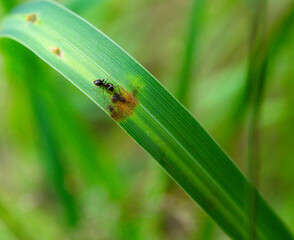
(105, 85)
(116, 97)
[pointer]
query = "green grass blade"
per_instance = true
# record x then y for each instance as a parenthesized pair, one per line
(13, 224)
(195, 25)
(150, 115)
(278, 33)
(81, 6)
(6, 5)
(52, 158)
(49, 149)
(256, 77)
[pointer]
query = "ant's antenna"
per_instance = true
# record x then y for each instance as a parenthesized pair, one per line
(108, 78)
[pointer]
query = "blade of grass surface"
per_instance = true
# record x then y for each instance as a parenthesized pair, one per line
(150, 115)
(189, 62)
(81, 6)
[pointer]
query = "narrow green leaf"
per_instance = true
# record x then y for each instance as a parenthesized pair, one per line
(49, 149)
(150, 115)
(13, 224)
(6, 5)
(192, 44)
(256, 77)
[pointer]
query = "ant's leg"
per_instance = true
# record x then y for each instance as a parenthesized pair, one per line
(103, 93)
(93, 88)
(118, 89)
(107, 79)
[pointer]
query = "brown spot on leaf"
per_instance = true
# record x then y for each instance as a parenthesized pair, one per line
(135, 92)
(120, 110)
(57, 52)
(32, 18)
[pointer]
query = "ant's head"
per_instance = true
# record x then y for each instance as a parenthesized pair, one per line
(98, 82)
(117, 95)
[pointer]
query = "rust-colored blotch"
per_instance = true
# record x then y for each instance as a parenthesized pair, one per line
(32, 18)
(120, 110)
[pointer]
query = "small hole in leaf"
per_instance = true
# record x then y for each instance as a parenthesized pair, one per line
(57, 52)
(32, 18)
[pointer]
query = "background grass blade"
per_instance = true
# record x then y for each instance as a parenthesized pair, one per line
(194, 30)
(7, 5)
(13, 224)
(256, 77)
(151, 116)
(51, 155)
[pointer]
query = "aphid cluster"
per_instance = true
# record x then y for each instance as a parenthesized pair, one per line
(116, 97)
(109, 87)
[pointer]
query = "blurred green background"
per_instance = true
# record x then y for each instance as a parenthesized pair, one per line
(68, 172)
